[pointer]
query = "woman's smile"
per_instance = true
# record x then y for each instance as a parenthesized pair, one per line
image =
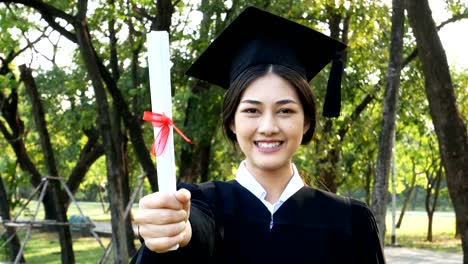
(268, 146)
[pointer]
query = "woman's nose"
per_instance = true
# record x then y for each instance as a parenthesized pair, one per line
(268, 124)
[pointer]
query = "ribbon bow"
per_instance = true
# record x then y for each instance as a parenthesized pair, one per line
(164, 122)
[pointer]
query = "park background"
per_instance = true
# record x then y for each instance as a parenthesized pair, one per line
(74, 85)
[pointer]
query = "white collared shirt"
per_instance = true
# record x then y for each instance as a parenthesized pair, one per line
(248, 181)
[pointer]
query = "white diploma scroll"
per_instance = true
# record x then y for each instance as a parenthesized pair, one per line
(159, 65)
(161, 102)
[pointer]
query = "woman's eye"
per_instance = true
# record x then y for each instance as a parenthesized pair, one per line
(250, 111)
(286, 111)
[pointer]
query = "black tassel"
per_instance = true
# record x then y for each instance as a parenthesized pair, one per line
(332, 104)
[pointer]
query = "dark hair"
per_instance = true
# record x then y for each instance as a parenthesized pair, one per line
(233, 95)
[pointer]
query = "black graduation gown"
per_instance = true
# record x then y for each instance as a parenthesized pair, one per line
(230, 225)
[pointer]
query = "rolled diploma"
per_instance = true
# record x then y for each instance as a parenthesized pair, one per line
(161, 102)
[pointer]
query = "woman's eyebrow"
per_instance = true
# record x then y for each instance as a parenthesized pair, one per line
(285, 101)
(280, 102)
(250, 101)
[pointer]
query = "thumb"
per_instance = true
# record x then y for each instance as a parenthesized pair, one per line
(183, 196)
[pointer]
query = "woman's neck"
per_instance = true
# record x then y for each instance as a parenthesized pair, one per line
(274, 183)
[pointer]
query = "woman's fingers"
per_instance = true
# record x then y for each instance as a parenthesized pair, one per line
(169, 230)
(163, 244)
(160, 200)
(183, 195)
(159, 216)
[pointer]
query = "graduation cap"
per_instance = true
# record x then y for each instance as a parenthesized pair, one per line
(259, 37)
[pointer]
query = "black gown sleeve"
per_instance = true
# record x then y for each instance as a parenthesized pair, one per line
(365, 232)
(202, 244)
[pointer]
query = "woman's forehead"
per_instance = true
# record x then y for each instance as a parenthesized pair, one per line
(270, 88)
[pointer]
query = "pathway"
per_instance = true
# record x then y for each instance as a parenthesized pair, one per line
(396, 255)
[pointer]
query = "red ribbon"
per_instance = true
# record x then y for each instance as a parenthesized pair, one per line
(164, 122)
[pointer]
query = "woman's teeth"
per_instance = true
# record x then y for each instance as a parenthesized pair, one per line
(268, 144)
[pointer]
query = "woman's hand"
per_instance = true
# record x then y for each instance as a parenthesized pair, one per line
(162, 219)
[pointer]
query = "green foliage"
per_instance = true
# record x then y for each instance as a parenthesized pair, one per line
(460, 85)
(11, 32)
(13, 180)
(457, 6)
(65, 5)
(69, 111)
(7, 83)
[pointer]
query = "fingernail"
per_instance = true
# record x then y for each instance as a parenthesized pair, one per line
(182, 235)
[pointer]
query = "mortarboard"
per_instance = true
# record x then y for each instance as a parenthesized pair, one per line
(259, 37)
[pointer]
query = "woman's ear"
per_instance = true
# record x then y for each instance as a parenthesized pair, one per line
(306, 126)
(232, 126)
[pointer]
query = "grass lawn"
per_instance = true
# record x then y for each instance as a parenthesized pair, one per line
(95, 211)
(45, 248)
(413, 233)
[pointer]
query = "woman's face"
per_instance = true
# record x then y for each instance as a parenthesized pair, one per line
(269, 125)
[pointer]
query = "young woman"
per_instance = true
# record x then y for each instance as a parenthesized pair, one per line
(267, 214)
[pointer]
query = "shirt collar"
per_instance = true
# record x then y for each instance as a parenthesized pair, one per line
(248, 181)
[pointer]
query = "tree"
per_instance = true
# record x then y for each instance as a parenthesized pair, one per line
(408, 195)
(387, 134)
(449, 125)
(434, 176)
(66, 244)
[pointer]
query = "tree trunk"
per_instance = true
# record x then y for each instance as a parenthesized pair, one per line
(369, 174)
(414, 201)
(65, 239)
(430, 217)
(387, 134)
(449, 126)
(122, 153)
(113, 164)
(407, 197)
(328, 165)
(14, 244)
(433, 185)
(163, 20)
(120, 138)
